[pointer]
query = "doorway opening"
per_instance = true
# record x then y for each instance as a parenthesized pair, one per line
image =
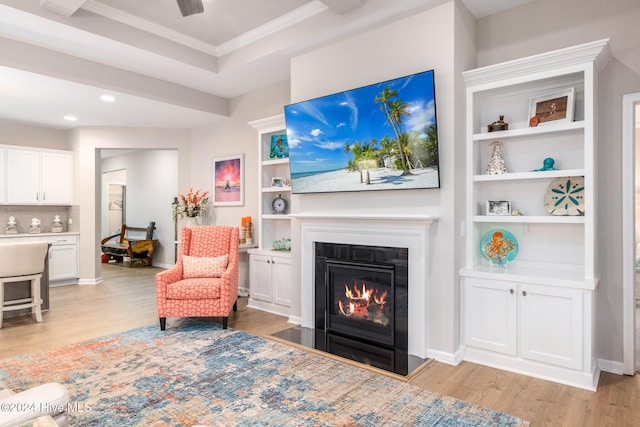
(142, 182)
(116, 206)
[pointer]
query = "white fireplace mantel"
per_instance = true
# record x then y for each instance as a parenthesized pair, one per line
(398, 230)
(359, 216)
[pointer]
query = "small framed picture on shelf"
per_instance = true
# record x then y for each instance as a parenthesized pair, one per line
(498, 207)
(279, 147)
(278, 181)
(552, 107)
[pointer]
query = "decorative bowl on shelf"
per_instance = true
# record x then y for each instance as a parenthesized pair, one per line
(282, 245)
(499, 247)
(565, 196)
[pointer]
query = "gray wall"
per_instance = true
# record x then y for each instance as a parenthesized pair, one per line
(12, 133)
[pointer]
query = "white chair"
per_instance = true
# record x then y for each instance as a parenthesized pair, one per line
(39, 402)
(22, 262)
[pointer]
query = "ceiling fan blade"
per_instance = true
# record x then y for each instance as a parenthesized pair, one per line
(190, 7)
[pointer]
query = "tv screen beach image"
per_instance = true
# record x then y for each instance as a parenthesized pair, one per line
(377, 137)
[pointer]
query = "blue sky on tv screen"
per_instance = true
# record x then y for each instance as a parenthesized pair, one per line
(318, 129)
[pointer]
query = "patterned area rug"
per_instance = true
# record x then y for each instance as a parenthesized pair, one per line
(197, 373)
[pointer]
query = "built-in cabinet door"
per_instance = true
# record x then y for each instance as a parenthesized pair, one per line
(260, 278)
(490, 315)
(35, 177)
(57, 179)
(281, 280)
(63, 262)
(23, 176)
(551, 325)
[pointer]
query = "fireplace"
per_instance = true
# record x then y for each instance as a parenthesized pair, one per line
(362, 303)
(405, 233)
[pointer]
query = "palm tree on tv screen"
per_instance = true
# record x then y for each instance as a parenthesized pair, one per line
(395, 110)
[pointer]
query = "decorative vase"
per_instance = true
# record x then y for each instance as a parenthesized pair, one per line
(193, 221)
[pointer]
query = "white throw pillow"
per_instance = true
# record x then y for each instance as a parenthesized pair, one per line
(193, 267)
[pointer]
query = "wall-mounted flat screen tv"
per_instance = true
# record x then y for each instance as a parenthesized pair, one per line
(377, 137)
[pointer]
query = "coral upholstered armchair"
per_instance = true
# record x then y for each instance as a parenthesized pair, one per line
(204, 281)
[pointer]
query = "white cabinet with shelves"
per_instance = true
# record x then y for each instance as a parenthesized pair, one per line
(270, 271)
(39, 177)
(534, 315)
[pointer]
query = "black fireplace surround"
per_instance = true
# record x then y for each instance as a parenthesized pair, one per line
(361, 304)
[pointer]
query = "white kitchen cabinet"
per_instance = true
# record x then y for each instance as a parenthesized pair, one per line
(63, 259)
(57, 178)
(23, 176)
(39, 177)
(270, 281)
(534, 315)
(63, 254)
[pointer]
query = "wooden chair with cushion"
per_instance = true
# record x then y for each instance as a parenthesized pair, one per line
(135, 243)
(204, 281)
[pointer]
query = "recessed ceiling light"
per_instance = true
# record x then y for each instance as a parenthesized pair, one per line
(70, 118)
(108, 98)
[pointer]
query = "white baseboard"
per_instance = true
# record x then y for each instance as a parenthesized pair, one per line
(296, 320)
(167, 266)
(95, 281)
(449, 358)
(611, 366)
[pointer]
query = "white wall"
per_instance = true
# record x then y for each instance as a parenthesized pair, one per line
(421, 42)
(637, 173)
(545, 25)
(234, 136)
(152, 183)
(86, 144)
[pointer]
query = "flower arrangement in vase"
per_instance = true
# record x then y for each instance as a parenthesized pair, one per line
(192, 206)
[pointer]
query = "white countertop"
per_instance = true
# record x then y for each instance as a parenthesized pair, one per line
(64, 233)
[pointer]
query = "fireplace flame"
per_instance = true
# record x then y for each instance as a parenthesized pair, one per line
(364, 303)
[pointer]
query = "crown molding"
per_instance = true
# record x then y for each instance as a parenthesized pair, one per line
(341, 7)
(285, 21)
(62, 7)
(298, 15)
(596, 52)
(118, 15)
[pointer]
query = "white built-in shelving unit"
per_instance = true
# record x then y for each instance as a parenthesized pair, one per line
(270, 270)
(534, 315)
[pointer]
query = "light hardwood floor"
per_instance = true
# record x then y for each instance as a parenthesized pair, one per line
(126, 300)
